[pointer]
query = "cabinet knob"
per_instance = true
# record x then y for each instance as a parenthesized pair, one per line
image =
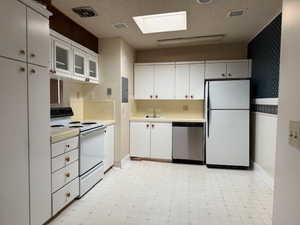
(223, 74)
(22, 69)
(156, 96)
(32, 71)
(32, 55)
(192, 96)
(67, 174)
(67, 146)
(87, 79)
(151, 96)
(147, 125)
(105, 131)
(68, 194)
(22, 52)
(186, 96)
(229, 74)
(152, 125)
(67, 159)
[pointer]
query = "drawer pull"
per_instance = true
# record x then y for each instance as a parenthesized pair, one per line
(67, 159)
(68, 194)
(68, 174)
(67, 146)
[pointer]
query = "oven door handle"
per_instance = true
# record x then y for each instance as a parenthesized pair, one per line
(86, 133)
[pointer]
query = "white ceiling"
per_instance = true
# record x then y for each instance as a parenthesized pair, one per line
(202, 19)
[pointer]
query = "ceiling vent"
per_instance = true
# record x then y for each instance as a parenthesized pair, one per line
(238, 12)
(189, 40)
(204, 1)
(85, 11)
(120, 25)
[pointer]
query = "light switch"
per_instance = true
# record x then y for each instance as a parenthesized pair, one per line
(294, 134)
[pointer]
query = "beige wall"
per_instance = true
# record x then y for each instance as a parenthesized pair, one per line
(193, 53)
(287, 178)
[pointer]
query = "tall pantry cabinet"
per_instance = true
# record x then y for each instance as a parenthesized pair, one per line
(25, 196)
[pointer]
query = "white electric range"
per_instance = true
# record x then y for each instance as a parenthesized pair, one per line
(91, 152)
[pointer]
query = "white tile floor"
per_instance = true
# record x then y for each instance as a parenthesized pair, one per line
(151, 193)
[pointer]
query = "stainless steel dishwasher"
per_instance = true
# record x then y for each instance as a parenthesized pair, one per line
(188, 142)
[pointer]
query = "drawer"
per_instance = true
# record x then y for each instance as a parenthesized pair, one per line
(64, 146)
(64, 176)
(64, 160)
(64, 196)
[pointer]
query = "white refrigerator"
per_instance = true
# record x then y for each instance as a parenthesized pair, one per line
(228, 123)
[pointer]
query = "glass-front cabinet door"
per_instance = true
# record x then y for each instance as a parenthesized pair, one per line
(79, 62)
(93, 68)
(62, 58)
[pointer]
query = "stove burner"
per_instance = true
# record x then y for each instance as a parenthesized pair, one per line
(76, 126)
(74, 122)
(89, 123)
(57, 126)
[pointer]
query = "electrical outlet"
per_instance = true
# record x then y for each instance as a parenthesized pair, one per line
(294, 134)
(185, 108)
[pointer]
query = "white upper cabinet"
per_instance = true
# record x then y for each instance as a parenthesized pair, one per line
(92, 67)
(80, 62)
(13, 30)
(228, 69)
(239, 69)
(182, 81)
(190, 81)
(62, 56)
(164, 81)
(197, 81)
(143, 81)
(38, 38)
(72, 61)
(215, 70)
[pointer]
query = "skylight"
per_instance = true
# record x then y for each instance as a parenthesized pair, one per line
(164, 22)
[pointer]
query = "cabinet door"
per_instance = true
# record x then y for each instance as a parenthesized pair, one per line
(93, 67)
(215, 70)
(63, 62)
(161, 141)
(143, 81)
(80, 59)
(164, 82)
(13, 30)
(38, 38)
(140, 139)
(39, 142)
(109, 147)
(14, 143)
(238, 69)
(182, 81)
(197, 81)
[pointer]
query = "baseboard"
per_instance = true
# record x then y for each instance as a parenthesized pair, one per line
(124, 161)
(264, 175)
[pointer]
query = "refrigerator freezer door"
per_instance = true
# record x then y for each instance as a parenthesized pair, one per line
(228, 142)
(231, 94)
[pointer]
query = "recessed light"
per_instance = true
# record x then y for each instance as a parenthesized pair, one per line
(164, 22)
(204, 1)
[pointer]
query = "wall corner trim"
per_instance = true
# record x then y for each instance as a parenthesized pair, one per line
(264, 175)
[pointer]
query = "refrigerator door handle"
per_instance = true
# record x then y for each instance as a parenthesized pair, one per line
(207, 111)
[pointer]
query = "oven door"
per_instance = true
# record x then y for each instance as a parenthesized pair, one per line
(91, 149)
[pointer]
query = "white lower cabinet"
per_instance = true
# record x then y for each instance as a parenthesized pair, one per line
(161, 141)
(151, 140)
(65, 195)
(109, 142)
(65, 172)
